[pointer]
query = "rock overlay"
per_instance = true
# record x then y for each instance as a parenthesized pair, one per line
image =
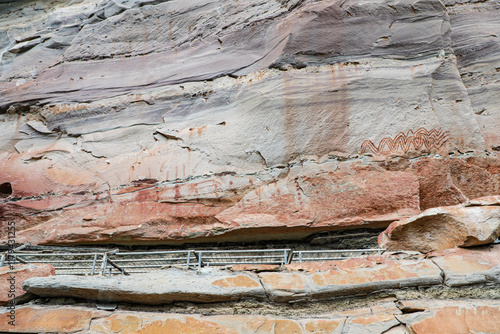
(140, 121)
(154, 288)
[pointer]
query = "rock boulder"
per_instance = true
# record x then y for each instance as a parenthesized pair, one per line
(467, 225)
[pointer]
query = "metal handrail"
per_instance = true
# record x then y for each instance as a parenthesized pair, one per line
(114, 262)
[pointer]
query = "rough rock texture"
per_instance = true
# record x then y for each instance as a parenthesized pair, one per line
(470, 224)
(17, 276)
(430, 317)
(464, 267)
(150, 121)
(294, 283)
(348, 278)
(154, 288)
(443, 317)
(168, 121)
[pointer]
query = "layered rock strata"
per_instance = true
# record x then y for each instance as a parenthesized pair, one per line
(426, 317)
(295, 283)
(145, 121)
(330, 286)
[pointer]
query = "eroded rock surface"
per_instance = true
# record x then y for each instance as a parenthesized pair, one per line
(154, 288)
(297, 282)
(471, 266)
(432, 316)
(171, 121)
(471, 224)
(11, 279)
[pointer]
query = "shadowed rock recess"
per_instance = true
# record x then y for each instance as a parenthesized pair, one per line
(168, 123)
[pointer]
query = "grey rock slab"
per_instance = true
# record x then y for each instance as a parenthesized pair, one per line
(378, 323)
(166, 286)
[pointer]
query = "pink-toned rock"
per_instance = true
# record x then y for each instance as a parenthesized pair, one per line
(12, 279)
(253, 130)
(469, 266)
(315, 197)
(444, 228)
(36, 319)
(425, 317)
(362, 276)
(139, 322)
(357, 276)
(458, 319)
(284, 287)
(451, 181)
(291, 203)
(161, 287)
(328, 195)
(323, 326)
(367, 324)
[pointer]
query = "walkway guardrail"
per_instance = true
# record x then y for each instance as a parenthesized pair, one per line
(125, 263)
(330, 255)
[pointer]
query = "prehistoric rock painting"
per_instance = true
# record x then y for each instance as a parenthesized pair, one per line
(403, 142)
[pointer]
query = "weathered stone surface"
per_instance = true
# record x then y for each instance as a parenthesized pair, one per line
(312, 194)
(17, 276)
(470, 266)
(443, 228)
(294, 283)
(374, 323)
(474, 316)
(204, 121)
(323, 326)
(146, 323)
(478, 60)
(36, 319)
(362, 276)
(163, 287)
(465, 318)
(311, 197)
(445, 182)
(284, 287)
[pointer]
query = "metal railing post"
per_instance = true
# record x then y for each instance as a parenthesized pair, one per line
(2, 261)
(93, 265)
(199, 259)
(300, 257)
(104, 263)
(188, 259)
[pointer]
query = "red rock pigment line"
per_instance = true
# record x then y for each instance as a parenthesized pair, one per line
(404, 142)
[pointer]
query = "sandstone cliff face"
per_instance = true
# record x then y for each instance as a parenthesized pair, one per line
(169, 121)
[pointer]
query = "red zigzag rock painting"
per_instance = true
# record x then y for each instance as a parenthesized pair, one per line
(403, 142)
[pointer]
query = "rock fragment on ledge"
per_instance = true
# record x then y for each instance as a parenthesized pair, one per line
(473, 223)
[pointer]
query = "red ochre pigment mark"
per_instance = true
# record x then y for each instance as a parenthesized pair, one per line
(432, 139)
